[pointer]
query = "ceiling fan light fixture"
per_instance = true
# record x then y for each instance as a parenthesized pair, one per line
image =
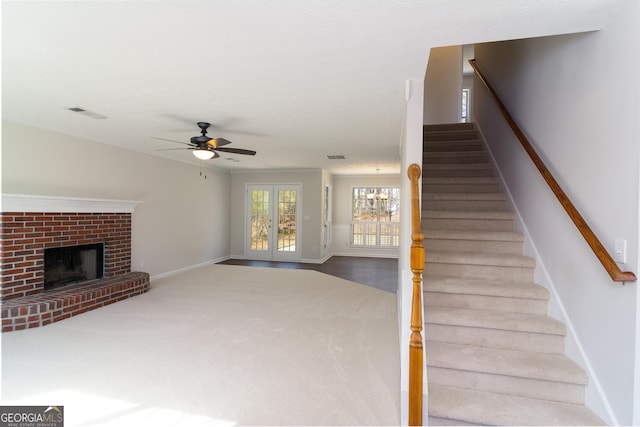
(203, 153)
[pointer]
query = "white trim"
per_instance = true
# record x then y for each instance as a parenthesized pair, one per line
(368, 254)
(187, 268)
(33, 203)
(315, 260)
(594, 393)
(258, 171)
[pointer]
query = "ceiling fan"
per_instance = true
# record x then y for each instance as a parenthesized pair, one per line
(204, 147)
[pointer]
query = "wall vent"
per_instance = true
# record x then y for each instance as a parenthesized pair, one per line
(336, 157)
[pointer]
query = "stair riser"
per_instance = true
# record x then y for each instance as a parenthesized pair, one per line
(516, 386)
(482, 246)
(460, 188)
(453, 135)
(513, 340)
(488, 408)
(471, 271)
(449, 146)
(485, 302)
(467, 224)
(461, 157)
(465, 205)
(456, 173)
(447, 127)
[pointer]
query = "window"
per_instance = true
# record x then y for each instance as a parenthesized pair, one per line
(375, 217)
(465, 106)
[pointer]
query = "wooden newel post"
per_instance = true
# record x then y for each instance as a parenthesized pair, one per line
(417, 266)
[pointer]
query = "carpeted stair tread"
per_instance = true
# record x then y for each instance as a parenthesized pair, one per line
(502, 236)
(426, 197)
(453, 167)
(484, 259)
(480, 241)
(494, 215)
(499, 320)
(487, 408)
(524, 364)
(457, 156)
(456, 219)
(460, 184)
(450, 135)
(460, 180)
(467, 286)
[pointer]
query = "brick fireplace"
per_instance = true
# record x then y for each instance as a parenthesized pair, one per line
(31, 224)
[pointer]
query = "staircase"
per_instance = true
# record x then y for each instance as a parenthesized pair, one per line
(494, 357)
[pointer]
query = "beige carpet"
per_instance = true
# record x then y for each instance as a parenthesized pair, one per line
(219, 345)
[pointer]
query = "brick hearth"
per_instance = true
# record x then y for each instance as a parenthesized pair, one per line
(25, 235)
(58, 304)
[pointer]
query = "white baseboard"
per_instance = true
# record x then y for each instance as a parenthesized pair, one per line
(324, 259)
(316, 260)
(367, 254)
(187, 268)
(595, 397)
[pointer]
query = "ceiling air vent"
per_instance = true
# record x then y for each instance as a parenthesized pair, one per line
(87, 113)
(336, 157)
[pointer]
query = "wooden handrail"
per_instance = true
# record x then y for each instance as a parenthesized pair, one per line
(417, 266)
(598, 249)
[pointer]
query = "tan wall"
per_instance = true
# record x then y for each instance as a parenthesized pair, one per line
(311, 227)
(443, 85)
(184, 220)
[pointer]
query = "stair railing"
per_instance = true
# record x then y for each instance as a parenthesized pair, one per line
(417, 266)
(598, 249)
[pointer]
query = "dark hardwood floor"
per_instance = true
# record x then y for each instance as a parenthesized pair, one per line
(381, 273)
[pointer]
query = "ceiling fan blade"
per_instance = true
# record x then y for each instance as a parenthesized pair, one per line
(218, 142)
(237, 151)
(171, 140)
(224, 129)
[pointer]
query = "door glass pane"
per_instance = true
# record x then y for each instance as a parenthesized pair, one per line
(287, 220)
(260, 220)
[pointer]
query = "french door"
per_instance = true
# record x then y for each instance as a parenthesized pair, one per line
(273, 219)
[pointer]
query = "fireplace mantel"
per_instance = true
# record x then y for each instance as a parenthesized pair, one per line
(35, 203)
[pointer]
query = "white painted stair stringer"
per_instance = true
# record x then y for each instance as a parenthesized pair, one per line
(595, 397)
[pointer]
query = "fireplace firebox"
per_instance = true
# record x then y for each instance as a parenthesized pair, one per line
(73, 264)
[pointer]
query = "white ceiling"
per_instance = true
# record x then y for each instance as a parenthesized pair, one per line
(295, 80)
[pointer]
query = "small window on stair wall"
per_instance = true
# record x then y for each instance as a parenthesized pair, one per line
(465, 106)
(375, 217)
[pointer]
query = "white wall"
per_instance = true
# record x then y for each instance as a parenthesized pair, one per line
(184, 220)
(443, 86)
(411, 152)
(312, 195)
(342, 213)
(577, 99)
